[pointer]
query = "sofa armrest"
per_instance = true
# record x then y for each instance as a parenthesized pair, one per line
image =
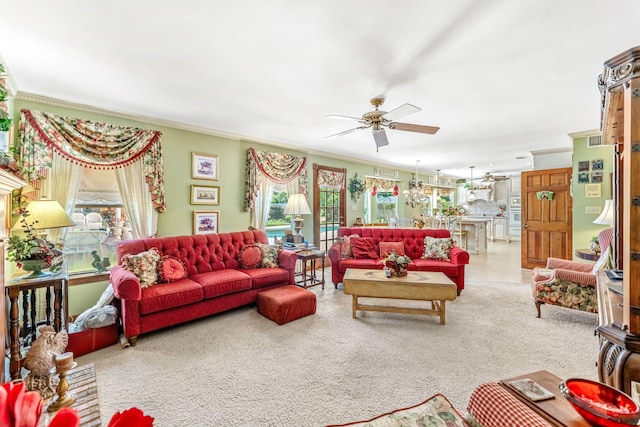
(334, 253)
(126, 285)
(565, 264)
(459, 256)
(287, 259)
(582, 278)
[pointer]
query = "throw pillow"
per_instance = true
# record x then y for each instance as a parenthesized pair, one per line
(144, 265)
(250, 257)
(437, 248)
(170, 269)
(435, 411)
(270, 255)
(387, 247)
(345, 246)
(363, 247)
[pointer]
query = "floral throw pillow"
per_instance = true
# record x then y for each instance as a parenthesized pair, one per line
(170, 269)
(437, 248)
(270, 255)
(345, 246)
(144, 265)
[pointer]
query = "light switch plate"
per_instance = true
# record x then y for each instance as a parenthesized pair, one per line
(596, 210)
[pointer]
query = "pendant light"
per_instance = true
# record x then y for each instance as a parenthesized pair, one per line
(471, 196)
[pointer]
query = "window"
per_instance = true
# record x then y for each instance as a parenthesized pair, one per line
(277, 222)
(101, 222)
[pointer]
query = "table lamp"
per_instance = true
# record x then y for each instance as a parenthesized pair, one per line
(45, 214)
(607, 214)
(297, 205)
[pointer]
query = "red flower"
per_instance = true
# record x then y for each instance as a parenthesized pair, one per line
(133, 417)
(19, 407)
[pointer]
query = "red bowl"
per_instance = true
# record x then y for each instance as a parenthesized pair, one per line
(600, 404)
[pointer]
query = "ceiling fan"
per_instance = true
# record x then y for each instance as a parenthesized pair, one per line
(377, 120)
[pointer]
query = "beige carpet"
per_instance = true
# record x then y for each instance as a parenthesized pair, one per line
(241, 369)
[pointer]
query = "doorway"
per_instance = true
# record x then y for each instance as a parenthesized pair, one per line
(329, 203)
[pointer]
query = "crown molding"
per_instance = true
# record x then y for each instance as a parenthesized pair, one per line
(32, 97)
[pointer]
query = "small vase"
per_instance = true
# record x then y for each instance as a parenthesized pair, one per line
(35, 266)
(595, 247)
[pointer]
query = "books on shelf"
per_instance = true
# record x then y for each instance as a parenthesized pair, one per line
(297, 247)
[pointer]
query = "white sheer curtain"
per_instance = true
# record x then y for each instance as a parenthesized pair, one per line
(63, 188)
(263, 201)
(137, 200)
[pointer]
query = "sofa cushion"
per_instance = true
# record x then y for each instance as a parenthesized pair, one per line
(265, 277)
(387, 247)
(363, 247)
(165, 296)
(250, 257)
(438, 248)
(222, 282)
(435, 265)
(144, 265)
(170, 269)
(345, 246)
(359, 263)
(270, 255)
(435, 411)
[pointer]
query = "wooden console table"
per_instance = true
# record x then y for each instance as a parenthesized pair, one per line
(19, 283)
(82, 386)
(557, 411)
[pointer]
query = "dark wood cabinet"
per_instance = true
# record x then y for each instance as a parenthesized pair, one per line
(619, 303)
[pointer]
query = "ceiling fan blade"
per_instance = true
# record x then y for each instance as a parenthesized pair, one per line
(380, 137)
(401, 111)
(413, 128)
(345, 132)
(339, 117)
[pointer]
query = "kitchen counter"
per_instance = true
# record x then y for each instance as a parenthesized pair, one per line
(476, 228)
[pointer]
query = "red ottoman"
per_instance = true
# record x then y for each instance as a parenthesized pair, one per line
(286, 303)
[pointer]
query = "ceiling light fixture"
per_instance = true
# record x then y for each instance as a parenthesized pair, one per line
(418, 192)
(471, 197)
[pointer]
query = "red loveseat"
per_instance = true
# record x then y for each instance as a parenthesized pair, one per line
(413, 239)
(214, 281)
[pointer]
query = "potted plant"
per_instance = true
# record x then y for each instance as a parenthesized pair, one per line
(595, 245)
(396, 264)
(356, 187)
(32, 253)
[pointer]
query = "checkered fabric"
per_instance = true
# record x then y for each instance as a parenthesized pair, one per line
(493, 406)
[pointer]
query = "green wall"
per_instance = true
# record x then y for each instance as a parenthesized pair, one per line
(177, 148)
(583, 227)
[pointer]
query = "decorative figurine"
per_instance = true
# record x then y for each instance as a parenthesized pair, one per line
(98, 264)
(41, 360)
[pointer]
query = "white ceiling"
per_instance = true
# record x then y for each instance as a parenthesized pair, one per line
(499, 77)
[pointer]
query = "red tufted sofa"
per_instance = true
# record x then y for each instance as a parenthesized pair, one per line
(214, 281)
(413, 239)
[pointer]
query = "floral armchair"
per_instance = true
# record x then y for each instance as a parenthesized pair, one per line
(571, 284)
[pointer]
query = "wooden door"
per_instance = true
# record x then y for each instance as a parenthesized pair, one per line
(329, 204)
(546, 221)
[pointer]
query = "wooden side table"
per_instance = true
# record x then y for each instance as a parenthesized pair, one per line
(20, 283)
(310, 279)
(587, 254)
(557, 411)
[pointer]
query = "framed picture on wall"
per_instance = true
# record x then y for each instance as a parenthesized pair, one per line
(204, 166)
(205, 222)
(597, 164)
(583, 177)
(583, 166)
(596, 176)
(205, 195)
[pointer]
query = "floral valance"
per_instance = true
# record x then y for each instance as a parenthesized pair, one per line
(89, 144)
(330, 179)
(277, 167)
(380, 183)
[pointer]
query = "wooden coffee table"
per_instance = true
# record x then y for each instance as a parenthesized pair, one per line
(416, 285)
